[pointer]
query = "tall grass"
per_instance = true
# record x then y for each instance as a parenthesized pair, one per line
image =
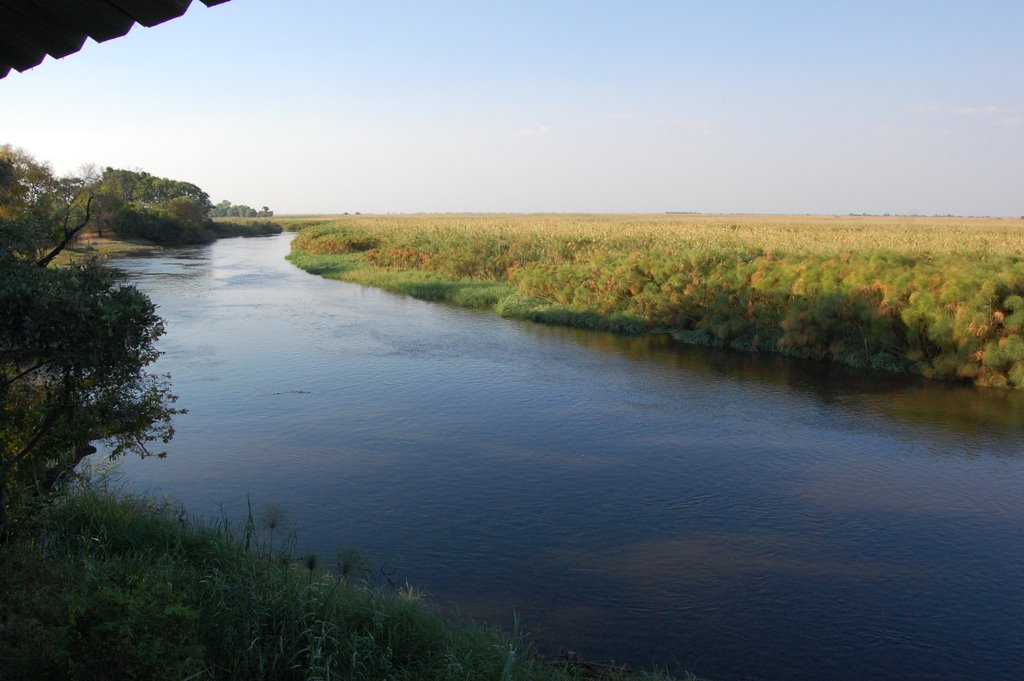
(940, 297)
(108, 586)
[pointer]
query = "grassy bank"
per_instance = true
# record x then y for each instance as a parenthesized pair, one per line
(939, 297)
(89, 246)
(105, 586)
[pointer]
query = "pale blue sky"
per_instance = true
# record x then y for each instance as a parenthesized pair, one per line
(595, 106)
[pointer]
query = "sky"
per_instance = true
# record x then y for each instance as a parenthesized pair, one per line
(328, 106)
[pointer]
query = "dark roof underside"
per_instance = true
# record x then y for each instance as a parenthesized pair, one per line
(32, 29)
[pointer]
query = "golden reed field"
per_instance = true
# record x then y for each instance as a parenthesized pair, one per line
(940, 297)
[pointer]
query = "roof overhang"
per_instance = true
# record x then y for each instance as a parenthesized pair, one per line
(32, 29)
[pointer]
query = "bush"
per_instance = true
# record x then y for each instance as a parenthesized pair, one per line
(158, 227)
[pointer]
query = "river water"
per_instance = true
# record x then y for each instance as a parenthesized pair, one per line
(739, 516)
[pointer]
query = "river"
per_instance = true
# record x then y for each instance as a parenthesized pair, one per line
(743, 517)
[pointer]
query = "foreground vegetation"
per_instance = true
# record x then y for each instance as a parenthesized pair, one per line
(939, 297)
(97, 585)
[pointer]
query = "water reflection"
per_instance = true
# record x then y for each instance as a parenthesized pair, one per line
(727, 557)
(992, 414)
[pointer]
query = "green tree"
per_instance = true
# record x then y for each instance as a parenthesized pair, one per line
(74, 342)
(139, 189)
(221, 209)
(187, 209)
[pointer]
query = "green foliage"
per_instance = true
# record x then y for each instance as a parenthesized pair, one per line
(74, 345)
(935, 307)
(142, 190)
(136, 205)
(159, 227)
(225, 209)
(37, 208)
(101, 586)
(418, 284)
(228, 228)
(334, 241)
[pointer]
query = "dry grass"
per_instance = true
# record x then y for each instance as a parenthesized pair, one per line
(792, 234)
(942, 297)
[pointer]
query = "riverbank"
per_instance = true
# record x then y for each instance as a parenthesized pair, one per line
(105, 585)
(938, 297)
(90, 244)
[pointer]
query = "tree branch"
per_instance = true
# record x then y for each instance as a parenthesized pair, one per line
(53, 475)
(7, 382)
(48, 421)
(69, 234)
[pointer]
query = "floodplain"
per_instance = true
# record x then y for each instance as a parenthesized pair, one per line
(939, 297)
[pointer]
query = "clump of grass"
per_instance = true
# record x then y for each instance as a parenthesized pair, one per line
(937, 297)
(465, 292)
(104, 585)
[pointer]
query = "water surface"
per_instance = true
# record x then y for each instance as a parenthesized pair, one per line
(742, 517)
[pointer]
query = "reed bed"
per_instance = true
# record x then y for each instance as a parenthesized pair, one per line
(939, 297)
(825, 235)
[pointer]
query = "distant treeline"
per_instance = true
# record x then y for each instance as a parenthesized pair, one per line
(225, 209)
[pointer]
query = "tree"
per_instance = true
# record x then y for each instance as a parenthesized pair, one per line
(221, 209)
(225, 209)
(187, 209)
(140, 189)
(74, 341)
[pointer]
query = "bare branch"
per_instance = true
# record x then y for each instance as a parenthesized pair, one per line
(6, 382)
(142, 446)
(69, 234)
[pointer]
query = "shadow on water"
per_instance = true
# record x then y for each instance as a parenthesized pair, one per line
(963, 408)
